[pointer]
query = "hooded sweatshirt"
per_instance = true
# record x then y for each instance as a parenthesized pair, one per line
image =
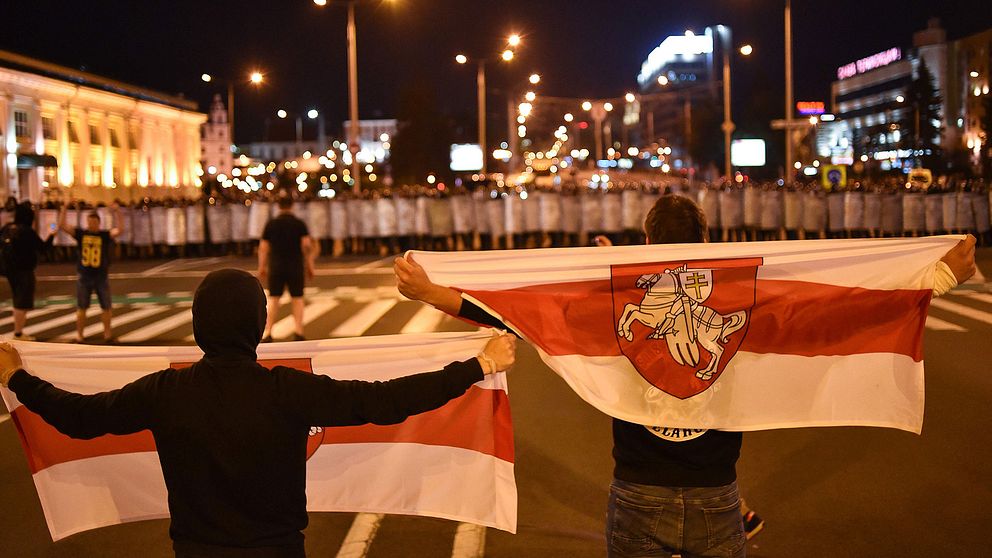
(231, 435)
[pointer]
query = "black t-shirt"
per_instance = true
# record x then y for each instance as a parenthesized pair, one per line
(26, 244)
(654, 455)
(283, 234)
(94, 250)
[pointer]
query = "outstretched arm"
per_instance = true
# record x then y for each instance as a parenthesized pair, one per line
(956, 267)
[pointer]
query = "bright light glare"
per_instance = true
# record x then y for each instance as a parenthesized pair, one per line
(608, 106)
(569, 117)
(256, 77)
(535, 79)
(206, 77)
(587, 106)
(629, 97)
(312, 113)
(746, 50)
(320, 2)
(461, 59)
(281, 113)
(513, 40)
(662, 80)
(507, 55)
(900, 98)
(530, 96)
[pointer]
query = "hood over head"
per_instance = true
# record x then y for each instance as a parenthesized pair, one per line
(24, 214)
(229, 314)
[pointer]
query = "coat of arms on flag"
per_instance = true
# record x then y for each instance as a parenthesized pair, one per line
(680, 323)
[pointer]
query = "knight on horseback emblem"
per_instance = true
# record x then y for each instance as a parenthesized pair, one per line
(673, 307)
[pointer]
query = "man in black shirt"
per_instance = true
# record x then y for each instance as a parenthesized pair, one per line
(25, 245)
(95, 246)
(231, 435)
(285, 257)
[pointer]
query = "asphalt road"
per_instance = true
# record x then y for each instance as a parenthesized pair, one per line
(831, 492)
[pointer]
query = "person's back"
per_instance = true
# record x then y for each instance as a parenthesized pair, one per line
(284, 232)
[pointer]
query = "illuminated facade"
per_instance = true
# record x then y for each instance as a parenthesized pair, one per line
(215, 144)
(99, 139)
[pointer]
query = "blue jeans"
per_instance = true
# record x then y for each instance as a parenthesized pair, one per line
(660, 521)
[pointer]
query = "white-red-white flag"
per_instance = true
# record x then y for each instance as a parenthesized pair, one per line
(740, 336)
(455, 462)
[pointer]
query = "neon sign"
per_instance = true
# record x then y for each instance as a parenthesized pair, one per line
(807, 108)
(872, 62)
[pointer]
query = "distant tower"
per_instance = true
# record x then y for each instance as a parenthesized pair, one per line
(216, 143)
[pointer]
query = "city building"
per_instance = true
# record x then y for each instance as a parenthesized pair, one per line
(869, 102)
(64, 129)
(215, 143)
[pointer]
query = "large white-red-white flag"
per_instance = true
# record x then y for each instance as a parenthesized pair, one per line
(741, 336)
(455, 462)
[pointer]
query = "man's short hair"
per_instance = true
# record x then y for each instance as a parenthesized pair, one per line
(285, 202)
(93, 215)
(675, 219)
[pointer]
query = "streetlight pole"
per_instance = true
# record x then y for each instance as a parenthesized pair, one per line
(353, 98)
(789, 171)
(728, 123)
(480, 80)
(230, 111)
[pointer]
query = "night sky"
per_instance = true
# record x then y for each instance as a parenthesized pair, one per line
(582, 48)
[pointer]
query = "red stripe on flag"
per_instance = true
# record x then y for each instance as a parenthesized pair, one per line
(446, 426)
(789, 317)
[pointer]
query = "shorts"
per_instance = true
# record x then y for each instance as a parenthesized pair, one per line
(87, 284)
(22, 288)
(279, 279)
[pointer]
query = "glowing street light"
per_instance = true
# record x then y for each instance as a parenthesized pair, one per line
(256, 78)
(320, 2)
(536, 78)
(206, 77)
(900, 98)
(312, 114)
(608, 107)
(569, 117)
(281, 113)
(629, 97)
(507, 55)
(586, 105)
(663, 80)
(513, 40)
(530, 96)
(746, 50)
(461, 59)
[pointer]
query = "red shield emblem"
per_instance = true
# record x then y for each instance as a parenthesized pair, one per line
(679, 323)
(316, 437)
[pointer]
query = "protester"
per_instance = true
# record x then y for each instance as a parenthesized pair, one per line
(231, 435)
(24, 247)
(674, 490)
(286, 255)
(95, 247)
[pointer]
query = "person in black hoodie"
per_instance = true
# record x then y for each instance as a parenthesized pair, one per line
(25, 244)
(232, 435)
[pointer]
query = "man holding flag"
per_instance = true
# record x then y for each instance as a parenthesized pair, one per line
(688, 470)
(231, 435)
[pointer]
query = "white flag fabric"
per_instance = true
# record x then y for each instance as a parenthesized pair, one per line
(741, 336)
(455, 462)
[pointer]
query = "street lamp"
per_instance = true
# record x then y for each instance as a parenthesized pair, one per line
(534, 79)
(662, 80)
(312, 114)
(255, 78)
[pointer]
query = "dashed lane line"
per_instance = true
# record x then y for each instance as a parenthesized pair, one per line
(363, 529)
(470, 541)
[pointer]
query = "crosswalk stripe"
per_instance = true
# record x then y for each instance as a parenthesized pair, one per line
(962, 310)
(4, 418)
(363, 528)
(937, 324)
(31, 314)
(363, 319)
(286, 326)
(69, 318)
(425, 320)
(984, 297)
(157, 328)
(470, 541)
(117, 321)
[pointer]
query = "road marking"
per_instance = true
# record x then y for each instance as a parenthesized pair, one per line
(34, 314)
(4, 418)
(937, 324)
(286, 326)
(60, 321)
(470, 541)
(159, 269)
(157, 328)
(358, 323)
(426, 319)
(961, 309)
(984, 297)
(201, 274)
(134, 316)
(356, 544)
(375, 265)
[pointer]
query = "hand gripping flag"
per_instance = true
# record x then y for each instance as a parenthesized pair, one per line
(741, 336)
(455, 462)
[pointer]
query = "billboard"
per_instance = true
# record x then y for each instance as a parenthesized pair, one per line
(747, 153)
(466, 157)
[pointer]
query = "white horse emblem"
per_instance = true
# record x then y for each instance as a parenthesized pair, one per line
(673, 308)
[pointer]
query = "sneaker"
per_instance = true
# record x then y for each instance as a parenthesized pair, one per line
(23, 337)
(110, 341)
(298, 337)
(753, 524)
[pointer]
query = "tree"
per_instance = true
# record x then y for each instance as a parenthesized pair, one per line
(917, 121)
(423, 142)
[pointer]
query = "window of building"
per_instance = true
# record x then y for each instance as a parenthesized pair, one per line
(114, 141)
(21, 128)
(131, 139)
(73, 133)
(48, 127)
(94, 135)
(96, 172)
(117, 174)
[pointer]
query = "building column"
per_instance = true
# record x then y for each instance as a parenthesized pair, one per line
(65, 153)
(8, 172)
(84, 149)
(106, 154)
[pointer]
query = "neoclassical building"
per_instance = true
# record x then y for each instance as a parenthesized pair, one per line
(64, 132)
